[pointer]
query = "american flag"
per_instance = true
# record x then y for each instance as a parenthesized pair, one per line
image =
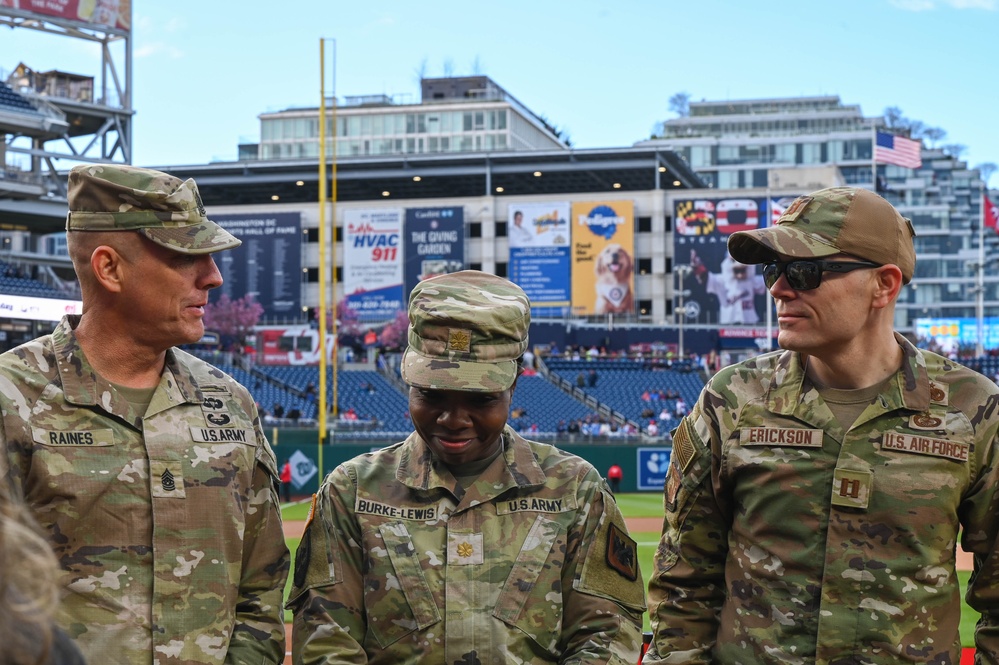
(891, 149)
(990, 211)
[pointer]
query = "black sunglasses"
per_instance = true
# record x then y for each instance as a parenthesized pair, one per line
(806, 274)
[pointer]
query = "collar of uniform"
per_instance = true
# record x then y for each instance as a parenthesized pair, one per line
(910, 387)
(418, 471)
(83, 386)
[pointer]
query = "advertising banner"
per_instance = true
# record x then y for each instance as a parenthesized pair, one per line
(95, 13)
(949, 336)
(268, 265)
(435, 243)
(37, 309)
(721, 290)
(291, 345)
(372, 262)
(603, 239)
(653, 463)
(539, 255)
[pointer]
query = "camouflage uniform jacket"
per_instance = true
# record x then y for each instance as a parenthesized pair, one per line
(400, 565)
(167, 526)
(788, 539)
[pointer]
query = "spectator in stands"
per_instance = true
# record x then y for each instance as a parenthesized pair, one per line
(278, 410)
(294, 414)
(449, 546)
(816, 494)
(652, 429)
(591, 378)
(105, 423)
(561, 428)
(580, 380)
(572, 429)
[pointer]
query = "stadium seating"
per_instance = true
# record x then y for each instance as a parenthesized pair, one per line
(621, 382)
(12, 101)
(13, 283)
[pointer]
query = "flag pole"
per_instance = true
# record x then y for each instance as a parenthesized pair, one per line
(874, 161)
(769, 298)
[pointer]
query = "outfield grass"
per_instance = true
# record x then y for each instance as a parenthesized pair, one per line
(650, 504)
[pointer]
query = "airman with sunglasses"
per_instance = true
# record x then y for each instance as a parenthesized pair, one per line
(816, 495)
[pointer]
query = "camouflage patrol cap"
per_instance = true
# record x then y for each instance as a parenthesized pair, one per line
(831, 221)
(466, 331)
(165, 209)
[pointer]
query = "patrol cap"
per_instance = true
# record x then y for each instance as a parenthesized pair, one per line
(837, 220)
(466, 331)
(164, 208)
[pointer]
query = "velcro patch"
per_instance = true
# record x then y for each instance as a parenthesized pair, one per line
(938, 393)
(222, 435)
(82, 438)
(924, 445)
(459, 339)
(535, 504)
(852, 488)
(795, 209)
(464, 549)
(622, 553)
(683, 446)
(780, 436)
(369, 507)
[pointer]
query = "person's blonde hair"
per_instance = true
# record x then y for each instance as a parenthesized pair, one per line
(28, 591)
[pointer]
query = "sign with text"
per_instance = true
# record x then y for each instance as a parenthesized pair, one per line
(539, 255)
(435, 242)
(653, 463)
(372, 262)
(268, 265)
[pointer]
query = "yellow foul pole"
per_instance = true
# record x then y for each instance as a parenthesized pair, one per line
(322, 254)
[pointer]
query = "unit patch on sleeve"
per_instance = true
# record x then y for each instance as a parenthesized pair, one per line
(622, 553)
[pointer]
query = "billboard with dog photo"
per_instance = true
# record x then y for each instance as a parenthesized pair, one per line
(539, 254)
(720, 289)
(603, 247)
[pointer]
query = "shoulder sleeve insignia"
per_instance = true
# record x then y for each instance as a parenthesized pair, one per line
(683, 447)
(622, 553)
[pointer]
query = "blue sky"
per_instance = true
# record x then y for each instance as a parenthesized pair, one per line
(603, 71)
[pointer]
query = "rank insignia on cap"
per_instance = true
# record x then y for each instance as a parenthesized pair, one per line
(795, 209)
(459, 339)
(622, 553)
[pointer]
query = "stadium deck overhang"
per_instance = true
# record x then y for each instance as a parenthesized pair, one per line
(450, 176)
(614, 171)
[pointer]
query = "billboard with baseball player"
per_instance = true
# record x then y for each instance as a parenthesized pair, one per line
(721, 290)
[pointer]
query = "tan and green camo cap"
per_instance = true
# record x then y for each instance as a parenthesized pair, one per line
(466, 331)
(166, 209)
(838, 220)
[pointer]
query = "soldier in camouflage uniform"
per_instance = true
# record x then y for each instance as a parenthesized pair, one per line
(815, 496)
(466, 544)
(147, 467)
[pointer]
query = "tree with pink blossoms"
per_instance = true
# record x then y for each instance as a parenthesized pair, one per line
(233, 319)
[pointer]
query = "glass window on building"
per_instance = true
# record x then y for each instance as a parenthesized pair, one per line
(466, 122)
(728, 154)
(784, 153)
(811, 153)
(728, 179)
(700, 156)
(501, 119)
(480, 120)
(353, 126)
